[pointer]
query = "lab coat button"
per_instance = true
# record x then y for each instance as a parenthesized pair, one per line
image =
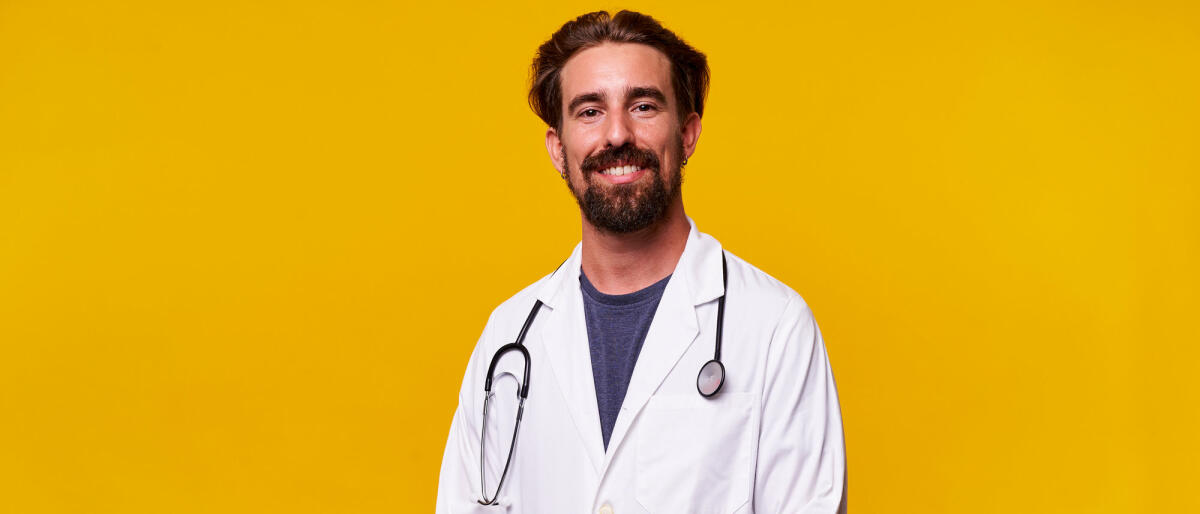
(606, 509)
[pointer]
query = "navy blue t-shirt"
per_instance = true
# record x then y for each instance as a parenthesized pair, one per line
(617, 327)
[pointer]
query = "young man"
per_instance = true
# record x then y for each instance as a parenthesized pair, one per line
(663, 373)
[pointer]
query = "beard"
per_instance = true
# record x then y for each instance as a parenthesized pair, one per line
(625, 208)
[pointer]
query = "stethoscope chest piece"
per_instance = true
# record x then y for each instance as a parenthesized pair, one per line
(711, 378)
(712, 373)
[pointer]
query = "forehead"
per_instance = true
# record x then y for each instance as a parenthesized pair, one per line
(616, 67)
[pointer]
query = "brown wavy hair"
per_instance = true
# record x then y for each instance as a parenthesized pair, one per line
(689, 67)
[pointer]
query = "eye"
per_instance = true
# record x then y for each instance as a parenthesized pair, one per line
(589, 113)
(645, 108)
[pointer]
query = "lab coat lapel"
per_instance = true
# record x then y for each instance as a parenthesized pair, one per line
(671, 333)
(674, 328)
(565, 342)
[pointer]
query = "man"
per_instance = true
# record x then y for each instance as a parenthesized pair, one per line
(619, 416)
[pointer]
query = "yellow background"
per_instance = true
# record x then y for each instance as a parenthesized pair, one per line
(246, 247)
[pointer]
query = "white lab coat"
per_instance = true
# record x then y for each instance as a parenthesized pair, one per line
(770, 441)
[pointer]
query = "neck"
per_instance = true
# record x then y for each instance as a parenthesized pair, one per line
(624, 263)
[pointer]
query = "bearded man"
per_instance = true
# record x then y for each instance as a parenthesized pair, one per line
(671, 376)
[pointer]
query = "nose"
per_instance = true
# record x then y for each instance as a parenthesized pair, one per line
(619, 130)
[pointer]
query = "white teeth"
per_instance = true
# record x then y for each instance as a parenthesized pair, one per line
(620, 170)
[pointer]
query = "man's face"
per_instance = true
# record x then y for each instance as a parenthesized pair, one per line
(621, 143)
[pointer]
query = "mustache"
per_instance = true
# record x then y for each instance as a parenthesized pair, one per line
(624, 155)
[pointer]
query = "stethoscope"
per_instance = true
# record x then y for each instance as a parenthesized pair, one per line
(708, 383)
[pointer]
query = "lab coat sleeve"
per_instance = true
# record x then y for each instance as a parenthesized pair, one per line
(802, 458)
(458, 482)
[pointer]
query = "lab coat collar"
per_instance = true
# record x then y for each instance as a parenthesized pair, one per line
(697, 280)
(699, 266)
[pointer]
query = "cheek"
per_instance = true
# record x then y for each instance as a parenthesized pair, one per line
(657, 135)
(579, 150)
(576, 143)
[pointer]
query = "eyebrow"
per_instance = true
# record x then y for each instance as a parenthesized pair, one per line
(585, 98)
(652, 93)
(633, 92)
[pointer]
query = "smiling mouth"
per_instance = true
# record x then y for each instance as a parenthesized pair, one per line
(617, 171)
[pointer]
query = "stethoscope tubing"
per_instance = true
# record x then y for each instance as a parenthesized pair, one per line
(721, 309)
(518, 345)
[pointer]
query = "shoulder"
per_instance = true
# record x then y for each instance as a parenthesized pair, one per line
(506, 319)
(770, 297)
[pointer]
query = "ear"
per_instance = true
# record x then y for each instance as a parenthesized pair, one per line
(554, 148)
(691, 134)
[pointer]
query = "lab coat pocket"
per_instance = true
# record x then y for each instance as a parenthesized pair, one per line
(695, 454)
